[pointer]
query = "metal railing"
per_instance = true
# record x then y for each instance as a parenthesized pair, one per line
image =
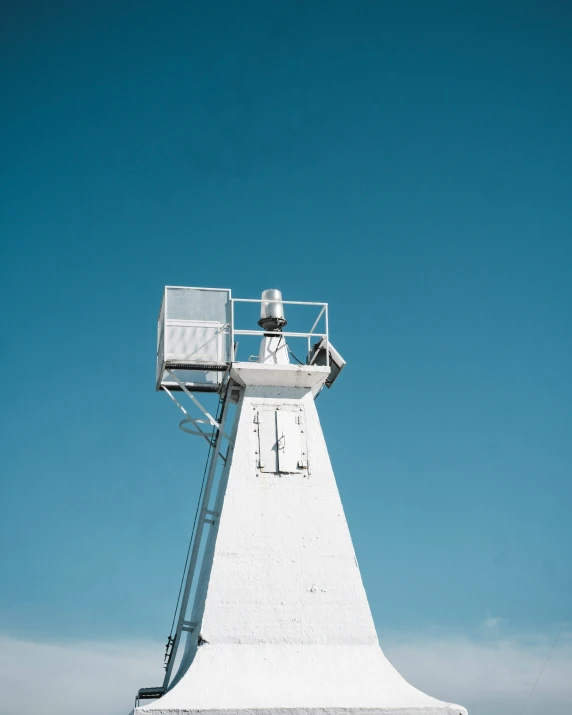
(285, 333)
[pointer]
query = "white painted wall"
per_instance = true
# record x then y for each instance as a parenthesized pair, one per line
(281, 604)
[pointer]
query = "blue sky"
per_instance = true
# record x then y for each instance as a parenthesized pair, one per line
(411, 164)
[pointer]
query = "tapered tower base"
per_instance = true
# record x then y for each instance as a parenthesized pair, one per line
(297, 680)
(282, 620)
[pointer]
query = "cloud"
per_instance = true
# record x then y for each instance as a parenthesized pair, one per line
(489, 676)
(491, 622)
(71, 678)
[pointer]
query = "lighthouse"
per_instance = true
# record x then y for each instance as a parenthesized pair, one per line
(273, 618)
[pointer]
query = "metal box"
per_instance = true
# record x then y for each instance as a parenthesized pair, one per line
(193, 338)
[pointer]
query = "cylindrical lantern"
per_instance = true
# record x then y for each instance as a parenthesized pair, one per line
(272, 311)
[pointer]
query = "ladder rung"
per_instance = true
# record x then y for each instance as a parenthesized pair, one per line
(148, 693)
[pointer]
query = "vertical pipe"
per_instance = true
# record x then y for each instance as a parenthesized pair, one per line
(232, 355)
(327, 339)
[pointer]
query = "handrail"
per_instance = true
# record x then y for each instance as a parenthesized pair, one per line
(282, 302)
(322, 315)
(284, 333)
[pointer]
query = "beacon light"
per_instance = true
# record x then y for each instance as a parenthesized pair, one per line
(272, 311)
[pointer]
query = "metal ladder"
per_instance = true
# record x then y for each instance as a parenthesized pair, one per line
(230, 394)
(206, 517)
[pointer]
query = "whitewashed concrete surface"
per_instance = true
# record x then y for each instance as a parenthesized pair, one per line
(285, 625)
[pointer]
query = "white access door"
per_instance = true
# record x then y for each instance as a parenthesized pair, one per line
(281, 447)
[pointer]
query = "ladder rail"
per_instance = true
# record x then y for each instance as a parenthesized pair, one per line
(202, 522)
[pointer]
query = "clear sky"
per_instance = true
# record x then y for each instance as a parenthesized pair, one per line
(408, 162)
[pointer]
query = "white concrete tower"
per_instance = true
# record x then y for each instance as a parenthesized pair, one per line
(279, 621)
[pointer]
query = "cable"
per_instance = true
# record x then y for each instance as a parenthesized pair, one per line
(295, 358)
(562, 627)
